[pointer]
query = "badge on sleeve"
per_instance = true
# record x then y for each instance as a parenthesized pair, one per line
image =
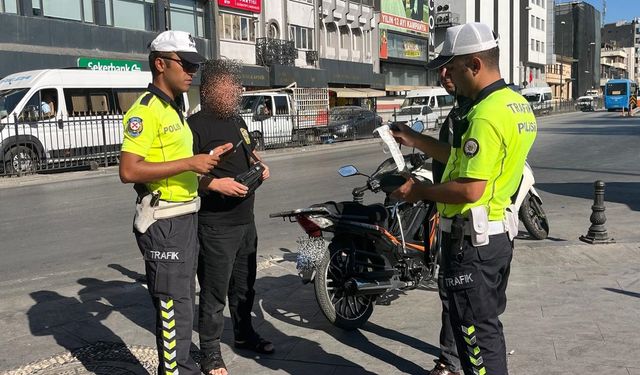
(245, 135)
(471, 147)
(134, 126)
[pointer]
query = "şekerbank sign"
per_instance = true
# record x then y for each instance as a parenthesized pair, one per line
(254, 6)
(109, 65)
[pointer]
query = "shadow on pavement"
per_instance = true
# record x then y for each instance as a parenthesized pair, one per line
(75, 324)
(300, 309)
(618, 192)
(625, 292)
(598, 127)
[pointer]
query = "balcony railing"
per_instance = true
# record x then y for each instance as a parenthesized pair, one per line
(275, 52)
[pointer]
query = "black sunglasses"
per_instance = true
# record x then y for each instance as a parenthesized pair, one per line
(186, 66)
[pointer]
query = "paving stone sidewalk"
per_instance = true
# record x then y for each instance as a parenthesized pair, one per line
(571, 310)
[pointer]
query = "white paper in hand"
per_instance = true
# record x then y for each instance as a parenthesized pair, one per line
(387, 138)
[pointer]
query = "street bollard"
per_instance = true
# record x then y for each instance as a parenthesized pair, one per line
(597, 233)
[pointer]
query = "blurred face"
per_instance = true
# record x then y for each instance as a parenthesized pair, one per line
(177, 73)
(460, 75)
(445, 80)
(222, 95)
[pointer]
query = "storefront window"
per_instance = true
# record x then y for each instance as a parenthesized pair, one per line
(187, 15)
(9, 6)
(405, 47)
(131, 14)
(396, 74)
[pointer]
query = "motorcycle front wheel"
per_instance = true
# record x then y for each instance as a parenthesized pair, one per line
(534, 218)
(341, 308)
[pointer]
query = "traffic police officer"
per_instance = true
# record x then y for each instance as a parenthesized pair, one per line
(481, 175)
(157, 155)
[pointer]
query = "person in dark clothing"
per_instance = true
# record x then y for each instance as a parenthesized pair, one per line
(226, 225)
(448, 363)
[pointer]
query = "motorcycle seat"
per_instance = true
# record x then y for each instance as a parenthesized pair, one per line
(372, 214)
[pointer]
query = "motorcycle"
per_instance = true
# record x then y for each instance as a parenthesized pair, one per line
(355, 253)
(529, 205)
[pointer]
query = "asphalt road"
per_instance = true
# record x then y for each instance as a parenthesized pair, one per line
(54, 230)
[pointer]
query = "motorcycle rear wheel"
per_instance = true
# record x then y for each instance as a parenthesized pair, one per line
(534, 218)
(342, 309)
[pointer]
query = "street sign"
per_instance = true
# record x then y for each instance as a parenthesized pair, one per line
(109, 65)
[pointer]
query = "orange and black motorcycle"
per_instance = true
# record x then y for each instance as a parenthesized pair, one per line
(355, 253)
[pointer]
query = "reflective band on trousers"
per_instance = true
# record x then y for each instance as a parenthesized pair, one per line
(169, 337)
(473, 350)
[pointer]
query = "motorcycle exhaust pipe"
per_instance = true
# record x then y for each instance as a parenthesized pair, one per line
(355, 286)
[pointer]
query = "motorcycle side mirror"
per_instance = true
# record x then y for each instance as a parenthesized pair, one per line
(417, 126)
(348, 170)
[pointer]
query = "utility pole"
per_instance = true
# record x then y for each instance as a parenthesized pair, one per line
(561, 62)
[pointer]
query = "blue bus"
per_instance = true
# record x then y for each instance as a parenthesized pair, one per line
(618, 92)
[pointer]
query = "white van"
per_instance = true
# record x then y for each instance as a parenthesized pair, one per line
(437, 98)
(62, 115)
(540, 98)
(414, 113)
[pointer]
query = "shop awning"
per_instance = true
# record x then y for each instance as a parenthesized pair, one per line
(373, 93)
(349, 92)
(343, 92)
(403, 87)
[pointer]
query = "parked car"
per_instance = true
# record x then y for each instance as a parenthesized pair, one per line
(586, 103)
(349, 122)
(424, 113)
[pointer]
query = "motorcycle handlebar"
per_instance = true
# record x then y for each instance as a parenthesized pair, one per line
(360, 190)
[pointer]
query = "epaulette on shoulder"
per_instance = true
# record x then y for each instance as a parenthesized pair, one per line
(146, 99)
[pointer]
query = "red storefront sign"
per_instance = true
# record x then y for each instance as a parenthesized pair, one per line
(254, 6)
(405, 23)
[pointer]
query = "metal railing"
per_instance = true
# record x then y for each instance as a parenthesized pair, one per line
(310, 127)
(275, 51)
(92, 140)
(53, 144)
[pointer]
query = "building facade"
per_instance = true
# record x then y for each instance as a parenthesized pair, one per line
(616, 63)
(403, 42)
(625, 34)
(504, 16)
(314, 43)
(558, 76)
(577, 36)
(98, 34)
(533, 45)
